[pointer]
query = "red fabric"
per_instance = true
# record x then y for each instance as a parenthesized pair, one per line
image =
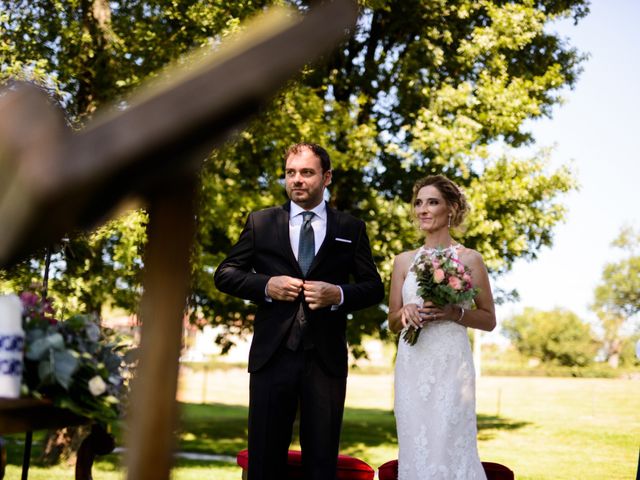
(388, 471)
(494, 471)
(349, 468)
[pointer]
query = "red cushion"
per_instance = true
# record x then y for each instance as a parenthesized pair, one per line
(494, 471)
(349, 468)
(388, 470)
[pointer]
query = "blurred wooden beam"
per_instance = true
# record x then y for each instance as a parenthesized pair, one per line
(152, 416)
(52, 181)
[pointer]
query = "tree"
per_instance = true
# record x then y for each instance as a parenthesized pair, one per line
(418, 88)
(617, 297)
(557, 336)
(88, 54)
(88, 270)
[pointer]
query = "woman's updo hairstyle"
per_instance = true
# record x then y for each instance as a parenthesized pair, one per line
(451, 193)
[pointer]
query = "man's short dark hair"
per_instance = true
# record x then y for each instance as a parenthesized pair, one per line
(321, 153)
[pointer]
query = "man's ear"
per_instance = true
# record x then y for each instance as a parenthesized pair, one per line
(327, 178)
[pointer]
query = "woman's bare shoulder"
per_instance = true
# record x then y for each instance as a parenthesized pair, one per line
(469, 256)
(404, 259)
(406, 256)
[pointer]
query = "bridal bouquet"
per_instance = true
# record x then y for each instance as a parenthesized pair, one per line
(443, 280)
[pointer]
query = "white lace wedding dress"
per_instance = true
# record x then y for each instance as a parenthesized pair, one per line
(435, 401)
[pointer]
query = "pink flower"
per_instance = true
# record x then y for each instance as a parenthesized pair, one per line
(455, 283)
(460, 268)
(438, 275)
(29, 299)
(467, 279)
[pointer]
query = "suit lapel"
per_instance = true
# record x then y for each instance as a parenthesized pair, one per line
(332, 227)
(282, 226)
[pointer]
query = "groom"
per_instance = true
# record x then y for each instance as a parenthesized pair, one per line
(306, 266)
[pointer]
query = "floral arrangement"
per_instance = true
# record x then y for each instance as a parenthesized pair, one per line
(75, 363)
(443, 280)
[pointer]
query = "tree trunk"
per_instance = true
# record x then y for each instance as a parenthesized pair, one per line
(62, 445)
(614, 360)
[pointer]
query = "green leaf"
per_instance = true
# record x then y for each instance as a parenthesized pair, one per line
(64, 366)
(39, 348)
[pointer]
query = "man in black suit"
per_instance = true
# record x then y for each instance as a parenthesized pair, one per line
(306, 272)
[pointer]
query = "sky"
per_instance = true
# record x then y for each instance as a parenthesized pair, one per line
(597, 131)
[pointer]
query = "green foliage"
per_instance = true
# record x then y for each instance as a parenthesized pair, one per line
(89, 271)
(617, 297)
(628, 356)
(418, 88)
(619, 291)
(74, 363)
(557, 336)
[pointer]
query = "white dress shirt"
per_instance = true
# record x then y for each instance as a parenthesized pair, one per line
(319, 224)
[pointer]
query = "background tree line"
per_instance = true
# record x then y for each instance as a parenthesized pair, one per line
(560, 337)
(419, 88)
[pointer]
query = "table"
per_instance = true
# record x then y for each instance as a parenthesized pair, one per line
(25, 415)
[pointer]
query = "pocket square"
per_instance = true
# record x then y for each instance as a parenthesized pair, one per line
(338, 239)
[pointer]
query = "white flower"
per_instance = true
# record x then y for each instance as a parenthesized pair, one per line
(97, 386)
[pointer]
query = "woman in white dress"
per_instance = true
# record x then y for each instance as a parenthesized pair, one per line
(435, 379)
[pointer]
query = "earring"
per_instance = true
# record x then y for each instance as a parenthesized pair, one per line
(449, 221)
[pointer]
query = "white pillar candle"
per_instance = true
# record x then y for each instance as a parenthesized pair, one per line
(11, 346)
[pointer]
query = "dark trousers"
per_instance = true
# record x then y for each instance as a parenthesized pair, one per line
(289, 379)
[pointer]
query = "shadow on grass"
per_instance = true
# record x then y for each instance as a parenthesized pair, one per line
(213, 428)
(221, 429)
(490, 425)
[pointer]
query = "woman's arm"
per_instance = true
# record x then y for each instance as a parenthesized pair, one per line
(483, 316)
(401, 315)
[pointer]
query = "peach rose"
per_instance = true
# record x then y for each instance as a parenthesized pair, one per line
(438, 275)
(455, 283)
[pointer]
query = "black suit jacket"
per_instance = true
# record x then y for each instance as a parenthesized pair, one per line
(264, 250)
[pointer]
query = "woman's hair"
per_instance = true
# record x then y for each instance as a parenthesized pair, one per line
(450, 192)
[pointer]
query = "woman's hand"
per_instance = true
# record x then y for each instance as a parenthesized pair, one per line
(431, 313)
(417, 316)
(411, 315)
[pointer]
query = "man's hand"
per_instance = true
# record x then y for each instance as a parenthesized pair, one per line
(321, 294)
(284, 288)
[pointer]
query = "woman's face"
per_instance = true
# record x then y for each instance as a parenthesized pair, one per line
(431, 210)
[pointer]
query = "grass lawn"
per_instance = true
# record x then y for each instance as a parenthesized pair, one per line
(542, 428)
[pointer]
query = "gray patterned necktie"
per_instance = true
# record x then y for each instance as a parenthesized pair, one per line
(307, 244)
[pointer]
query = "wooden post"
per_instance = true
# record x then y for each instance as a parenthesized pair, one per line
(152, 415)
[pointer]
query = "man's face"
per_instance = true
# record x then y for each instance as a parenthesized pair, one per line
(304, 180)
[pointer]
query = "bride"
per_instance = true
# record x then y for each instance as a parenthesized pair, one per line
(434, 379)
